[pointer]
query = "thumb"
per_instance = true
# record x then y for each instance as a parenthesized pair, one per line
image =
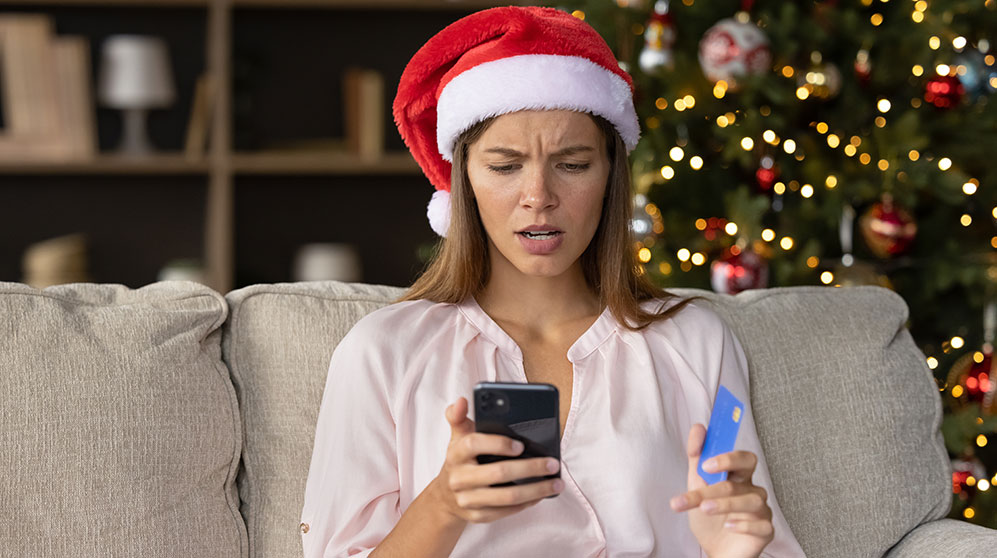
(697, 435)
(456, 415)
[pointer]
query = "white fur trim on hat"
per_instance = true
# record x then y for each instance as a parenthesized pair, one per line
(438, 212)
(533, 82)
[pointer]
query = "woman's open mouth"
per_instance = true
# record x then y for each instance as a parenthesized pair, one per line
(539, 242)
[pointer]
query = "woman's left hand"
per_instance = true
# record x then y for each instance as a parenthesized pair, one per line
(730, 519)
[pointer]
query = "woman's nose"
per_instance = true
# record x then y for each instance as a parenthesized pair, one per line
(536, 192)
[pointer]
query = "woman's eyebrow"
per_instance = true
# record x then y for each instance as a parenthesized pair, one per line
(571, 150)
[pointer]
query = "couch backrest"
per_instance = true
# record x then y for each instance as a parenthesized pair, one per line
(119, 426)
(846, 407)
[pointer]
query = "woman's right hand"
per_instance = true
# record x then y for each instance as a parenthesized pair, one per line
(464, 486)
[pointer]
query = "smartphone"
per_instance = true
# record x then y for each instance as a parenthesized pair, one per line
(522, 411)
(725, 422)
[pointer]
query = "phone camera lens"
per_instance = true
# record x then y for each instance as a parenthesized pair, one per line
(500, 402)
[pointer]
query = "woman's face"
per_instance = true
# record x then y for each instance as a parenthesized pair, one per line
(539, 179)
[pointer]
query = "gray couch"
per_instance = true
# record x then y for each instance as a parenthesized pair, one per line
(174, 421)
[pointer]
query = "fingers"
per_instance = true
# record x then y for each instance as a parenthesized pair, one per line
(697, 435)
(484, 498)
(478, 476)
(470, 446)
(752, 504)
(727, 495)
(456, 415)
(740, 464)
(761, 528)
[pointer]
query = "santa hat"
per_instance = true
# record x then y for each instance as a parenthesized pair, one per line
(498, 61)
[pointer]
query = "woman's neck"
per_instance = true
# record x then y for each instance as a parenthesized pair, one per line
(538, 303)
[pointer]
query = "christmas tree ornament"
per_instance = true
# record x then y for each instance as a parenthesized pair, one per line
(863, 67)
(636, 4)
(887, 228)
(976, 371)
(714, 227)
(659, 38)
(849, 271)
(944, 91)
(767, 173)
(965, 474)
(731, 49)
(822, 80)
(738, 270)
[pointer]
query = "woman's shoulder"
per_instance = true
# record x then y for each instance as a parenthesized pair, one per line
(404, 315)
(694, 319)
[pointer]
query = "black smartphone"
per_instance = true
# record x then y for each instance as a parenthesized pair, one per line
(522, 411)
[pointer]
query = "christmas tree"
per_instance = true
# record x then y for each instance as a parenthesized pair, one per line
(829, 143)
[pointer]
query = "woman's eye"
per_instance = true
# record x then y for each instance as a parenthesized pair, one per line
(576, 167)
(504, 169)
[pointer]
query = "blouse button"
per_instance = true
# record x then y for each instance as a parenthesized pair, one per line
(303, 527)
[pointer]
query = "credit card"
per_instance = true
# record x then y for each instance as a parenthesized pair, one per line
(725, 421)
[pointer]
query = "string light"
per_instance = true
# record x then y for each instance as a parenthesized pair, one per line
(959, 43)
(779, 188)
(770, 137)
(698, 258)
(683, 254)
(789, 146)
(981, 441)
(807, 190)
(966, 221)
(876, 20)
(827, 277)
(701, 224)
(676, 154)
(667, 172)
(689, 101)
(932, 363)
(802, 93)
(644, 255)
(945, 163)
(730, 228)
(813, 261)
(769, 234)
(956, 342)
(821, 128)
(917, 70)
(831, 182)
(850, 150)
(883, 105)
(883, 164)
(579, 14)
(696, 162)
(918, 17)
(833, 141)
(942, 69)
(747, 143)
(880, 122)
(969, 188)
(720, 89)
(786, 243)
(914, 155)
(934, 42)
(661, 103)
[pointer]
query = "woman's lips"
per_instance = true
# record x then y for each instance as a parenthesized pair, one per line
(540, 246)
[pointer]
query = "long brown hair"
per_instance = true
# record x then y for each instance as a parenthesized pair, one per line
(461, 266)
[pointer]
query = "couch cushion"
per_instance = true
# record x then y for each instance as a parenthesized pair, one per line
(118, 423)
(845, 406)
(847, 412)
(278, 342)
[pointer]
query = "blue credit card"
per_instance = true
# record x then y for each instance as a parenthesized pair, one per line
(725, 421)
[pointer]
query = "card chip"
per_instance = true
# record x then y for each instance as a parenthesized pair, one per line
(737, 414)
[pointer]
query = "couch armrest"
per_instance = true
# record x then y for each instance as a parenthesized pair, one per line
(944, 538)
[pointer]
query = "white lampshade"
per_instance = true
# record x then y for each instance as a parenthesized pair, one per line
(327, 262)
(135, 73)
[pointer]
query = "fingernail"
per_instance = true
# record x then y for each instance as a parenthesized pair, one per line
(518, 447)
(710, 465)
(730, 525)
(708, 506)
(552, 465)
(558, 485)
(679, 502)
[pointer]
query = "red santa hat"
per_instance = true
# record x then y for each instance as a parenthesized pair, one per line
(498, 61)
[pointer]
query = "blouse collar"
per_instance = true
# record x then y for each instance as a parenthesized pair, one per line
(589, 341)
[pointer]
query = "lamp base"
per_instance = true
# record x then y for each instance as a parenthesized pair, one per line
(134, 139)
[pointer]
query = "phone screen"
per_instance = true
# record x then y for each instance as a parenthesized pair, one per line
(522, 411)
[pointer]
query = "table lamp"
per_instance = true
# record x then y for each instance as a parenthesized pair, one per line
(135, 76)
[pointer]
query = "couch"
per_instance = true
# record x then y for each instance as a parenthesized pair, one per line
(172, 420)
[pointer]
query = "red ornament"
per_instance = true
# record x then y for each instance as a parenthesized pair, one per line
(738, 270)
(714, 226)
(888, 229)
(863, 68)
(944, 91)
(962, 470)
(977, 377)
(767, 174)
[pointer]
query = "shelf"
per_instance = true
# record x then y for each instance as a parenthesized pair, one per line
(165, 163)
(322, 162)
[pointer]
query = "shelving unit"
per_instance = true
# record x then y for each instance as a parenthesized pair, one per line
(225, 166)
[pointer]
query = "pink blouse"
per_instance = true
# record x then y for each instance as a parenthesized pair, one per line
(382, 436)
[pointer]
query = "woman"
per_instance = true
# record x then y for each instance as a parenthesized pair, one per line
(535, 281)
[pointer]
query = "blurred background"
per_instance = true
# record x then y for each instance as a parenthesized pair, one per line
(234, 142)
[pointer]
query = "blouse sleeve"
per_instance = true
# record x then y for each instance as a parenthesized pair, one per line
(352, 493)
(733, 374)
